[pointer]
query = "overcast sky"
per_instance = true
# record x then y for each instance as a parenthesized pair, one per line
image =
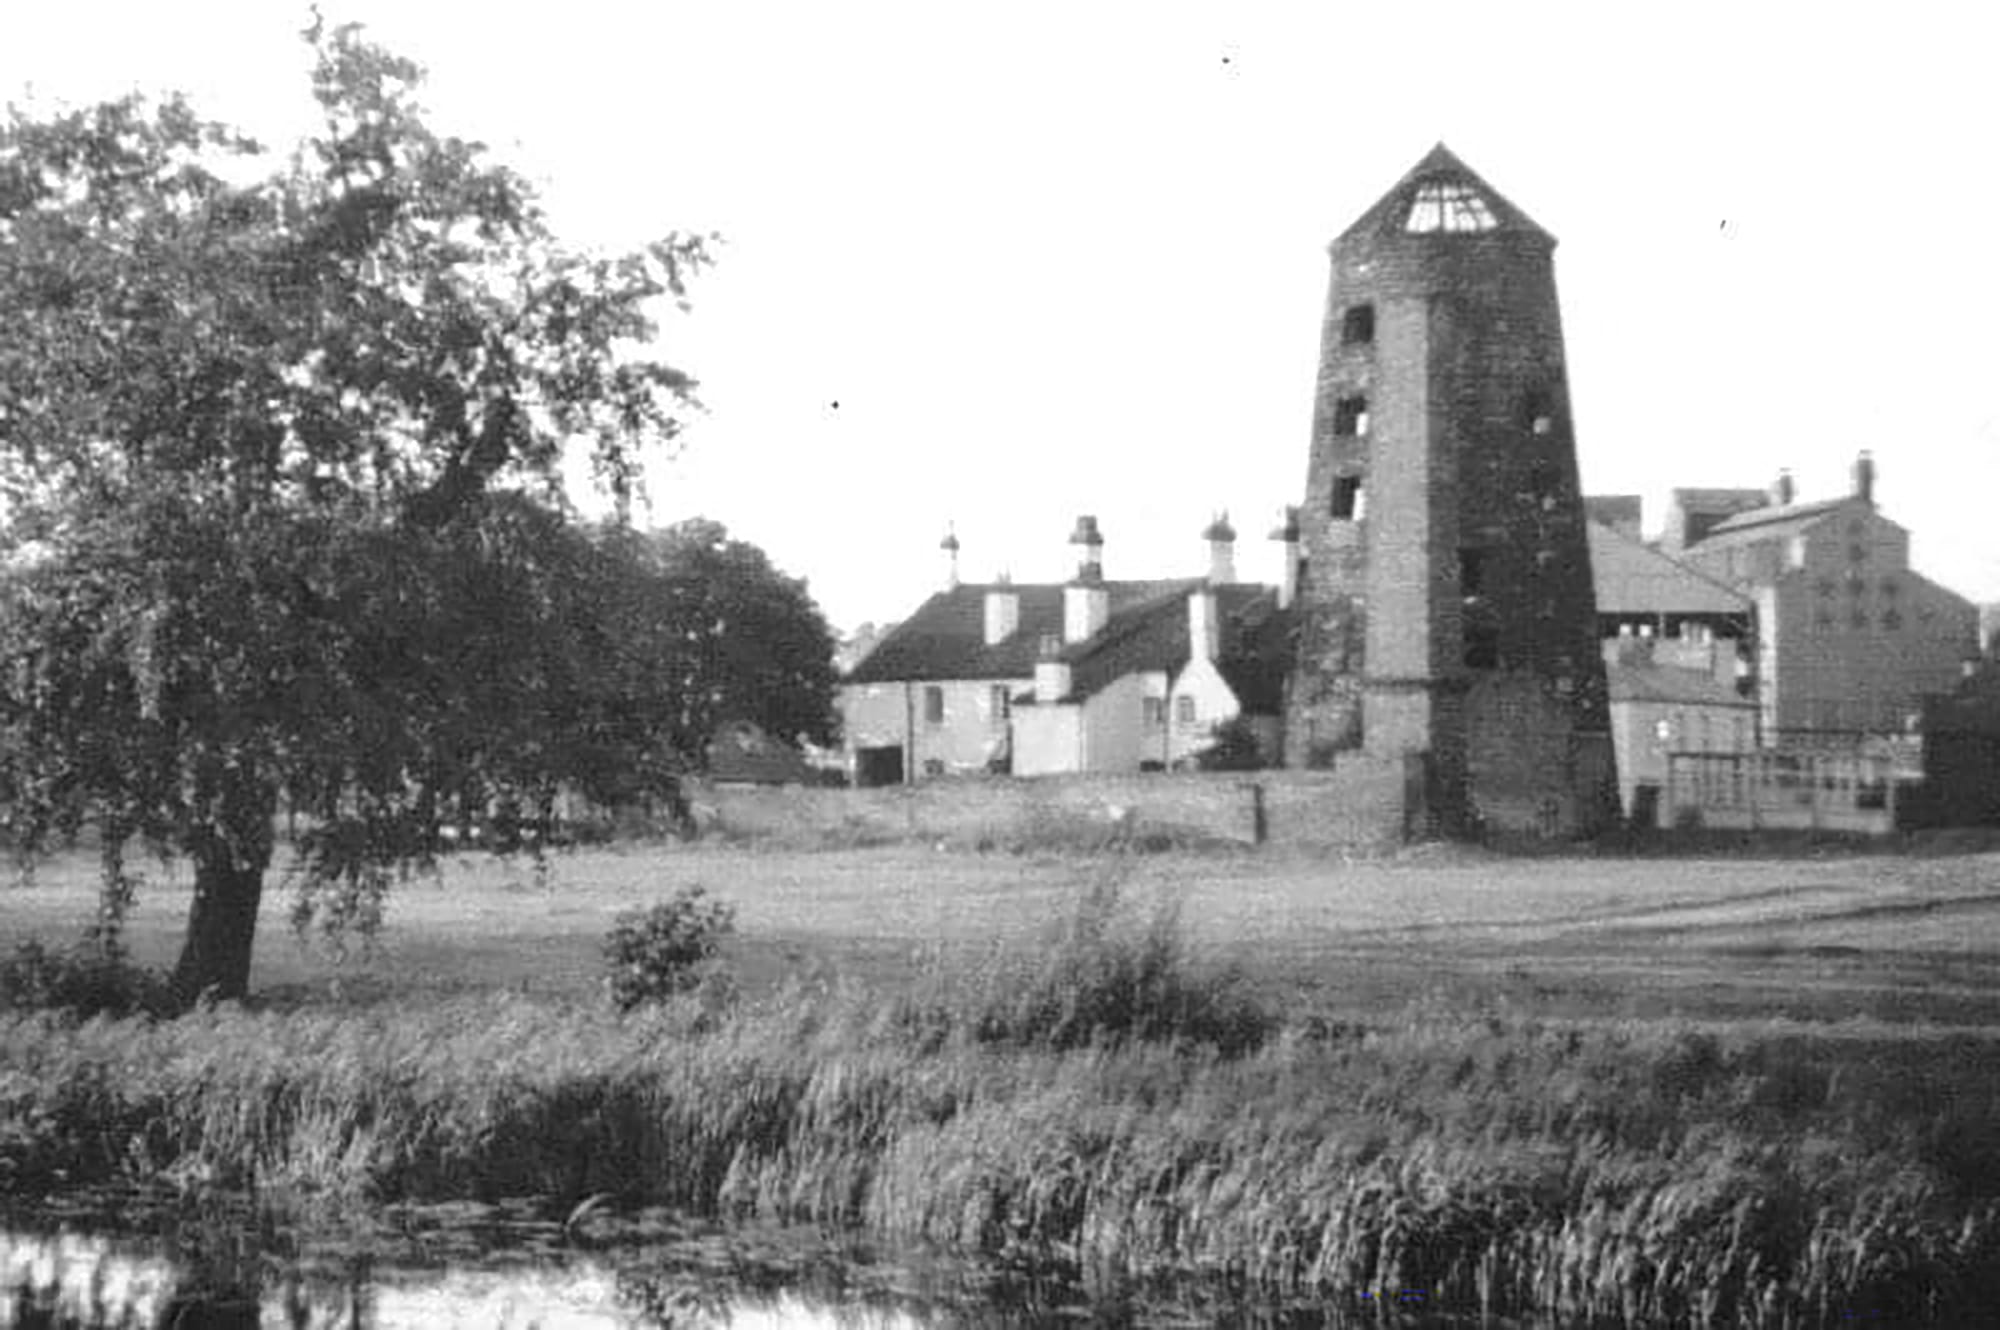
(999, 265)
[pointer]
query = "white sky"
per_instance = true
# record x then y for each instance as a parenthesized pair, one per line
(1052, 258)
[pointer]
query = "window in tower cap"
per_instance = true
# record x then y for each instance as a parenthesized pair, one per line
(1447, 205)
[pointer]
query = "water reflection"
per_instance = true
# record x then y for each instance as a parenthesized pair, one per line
(83, 1268)
(203, 1273)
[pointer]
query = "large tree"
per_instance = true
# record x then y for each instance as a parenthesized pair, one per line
(735, 638)
(284, 525)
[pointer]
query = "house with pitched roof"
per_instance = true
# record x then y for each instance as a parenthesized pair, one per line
(1678, 653)
(1849, 637)
(1090, 675)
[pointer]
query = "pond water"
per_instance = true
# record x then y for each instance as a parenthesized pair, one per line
(85, 1263)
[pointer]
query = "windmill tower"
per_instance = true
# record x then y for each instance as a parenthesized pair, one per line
(1447, 613)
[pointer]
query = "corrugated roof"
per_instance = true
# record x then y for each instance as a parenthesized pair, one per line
(1644, 681)
(1630, 578)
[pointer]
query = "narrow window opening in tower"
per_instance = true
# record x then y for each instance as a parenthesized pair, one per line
(1482, 647)
(1347, 500)
(1357, 326)
(1472, 572)
(1542, 484)
(1448, 205)
(1538, 412)
(1350, 417)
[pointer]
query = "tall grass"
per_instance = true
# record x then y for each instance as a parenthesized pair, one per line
(1470, 1161)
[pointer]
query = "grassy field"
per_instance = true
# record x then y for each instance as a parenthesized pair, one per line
(1808, 937)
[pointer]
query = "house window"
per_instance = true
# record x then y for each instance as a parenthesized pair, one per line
(1153, 711)
(1002, 705)
(933, 704)
(1347, 501)
(1482, 647)
(1184, 709)
(1795, 552)
(1472, 572)
(1891, 620)
(1357, 326)
(1350, 417)
(1858, 619)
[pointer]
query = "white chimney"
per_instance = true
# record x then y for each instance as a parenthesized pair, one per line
(1085, 608)
(1086, 601)
(1221, 538)
(1204, 633)
(1003, 612)
(1052, 676)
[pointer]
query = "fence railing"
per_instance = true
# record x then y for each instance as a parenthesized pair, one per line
(1819, 791)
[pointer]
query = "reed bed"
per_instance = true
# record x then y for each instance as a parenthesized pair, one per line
(1628, 1176)
(1108, 1101)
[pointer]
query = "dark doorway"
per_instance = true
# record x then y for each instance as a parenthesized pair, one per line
(878, 766)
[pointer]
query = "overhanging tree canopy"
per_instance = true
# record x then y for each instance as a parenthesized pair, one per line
(284, 522)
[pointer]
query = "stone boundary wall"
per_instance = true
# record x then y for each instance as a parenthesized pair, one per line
(1359, 803)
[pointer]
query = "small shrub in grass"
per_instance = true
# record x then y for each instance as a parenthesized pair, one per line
(666, 951)
(89, 979)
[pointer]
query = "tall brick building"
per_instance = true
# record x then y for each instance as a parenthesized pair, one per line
(1443, 572)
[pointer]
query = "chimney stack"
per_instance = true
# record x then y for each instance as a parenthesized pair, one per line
(1086, 600)
(1288, 580)
(1221, 538)
(1864, 478)
(1052, 676)
(1003, 611)
(1204, 633)
(1782, 491)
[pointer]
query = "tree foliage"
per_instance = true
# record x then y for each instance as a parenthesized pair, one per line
(737, 638)
(284, 519)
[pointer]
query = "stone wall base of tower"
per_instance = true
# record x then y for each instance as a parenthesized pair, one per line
(1529, 769)
(1323, 699)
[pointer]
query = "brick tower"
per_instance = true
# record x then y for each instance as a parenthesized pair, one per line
(1447, 614)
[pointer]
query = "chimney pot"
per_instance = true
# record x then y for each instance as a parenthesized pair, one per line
(1864, 477)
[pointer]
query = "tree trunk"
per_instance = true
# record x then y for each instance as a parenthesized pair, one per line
(222, 921)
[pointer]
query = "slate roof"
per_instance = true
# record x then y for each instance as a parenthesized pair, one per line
(742, 752)
(1631, 578)
(1147, 630)
(1154, 636)
(1646, 681)
(1700, 500)
(946, 637)
(1777, 522)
